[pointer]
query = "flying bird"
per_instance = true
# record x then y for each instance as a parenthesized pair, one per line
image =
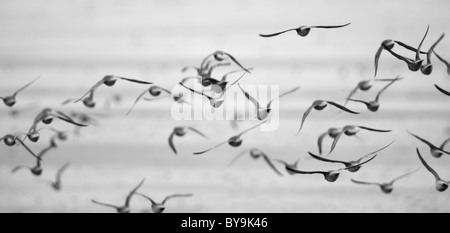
(215, 102)
(388, 187)
(441, 185)
(36, 170)
(12, 140)
(364, 85)
(180, 132)
(331, 132)
(445, 92)
(11, 100)
(330, 176)
(159, 208)
(154, 91)
(428, 68)
(352, 130)
(389, 45)
(46, 116)
(221, 56)
(319, 105)
(418, 61)
(108, 80)
(302, 30)
(234, 141)
(435, 151)
(350, 165)
(374, 105)
(125, 209)
(57, 184)
(263, 112)
(256, 154)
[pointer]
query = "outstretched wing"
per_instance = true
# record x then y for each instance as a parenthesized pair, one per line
(405, 175)
(305, 115)
(176, 196)
(442, 90)
(334, 26)
(202, 152)
(131, 194)
(135, 81)
(341, 107)
(364, 183)
(271, 165)
(377, 58)
(136, 101)
(427, 166)
(61, 171)
(197, 131)
(375, 130)
(171, 144)
(386, 87)
(249, 97)
(277, 33)
(24, 87)
(320, 158)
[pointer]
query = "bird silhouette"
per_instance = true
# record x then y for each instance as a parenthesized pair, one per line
(256, 154)
(302, 30)
(159, 208)
(126, 207)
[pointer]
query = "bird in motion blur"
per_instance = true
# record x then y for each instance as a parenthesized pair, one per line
(302, 30)
(387, 187)
(57, 183)
(330, 176)
(234, 141)
(286, 165)
(352, 130)
(435, 151)
(440, 184)
(11, 100)
(263, 112)
(125, 209)
(256, 154)
(46, 116)
(181, 131)
(446, 63)
(159, 208)
(365, 85)
(428, 67)
(374, 105)
(350, 165)
(320, 105)
(108, 80)
(331, 132)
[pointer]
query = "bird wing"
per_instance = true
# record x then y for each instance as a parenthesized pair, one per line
(442, 145)
(304, 172)
(104, 204)
(402, 58)
(352, 92)
(61, 171)
(375, 130)
(202, 152)
(364, 183)
(420, 45)
(304, 116)
(197, 131)
(442, 90)
(28, 149)
(375, 152)
(237, 63)
(359, 101)
(146, 197)
(92, 89)
(377, 58)
(64, 117)
(424, 141)
(320, 158)
(130, 195)
(320, 141)
(405, 175)
(386, 87)
(24, 87)
(284, 94)
(408, 47)
(237, 157)
(135, 81)
(176, 196)
(171, 144)
(335, 141)
(277, 33)
(250, 98)
(359, 164)
(430, 51)
(334, 26)
(427, 166)
(442, 60)
(271, 165)
(14, 170)
(252, 128)
(342, 107)
(197, 92)
(137, 100)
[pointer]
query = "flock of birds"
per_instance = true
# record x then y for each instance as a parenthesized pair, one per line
(214, 91)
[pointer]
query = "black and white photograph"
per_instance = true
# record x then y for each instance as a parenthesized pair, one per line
(224, 106)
